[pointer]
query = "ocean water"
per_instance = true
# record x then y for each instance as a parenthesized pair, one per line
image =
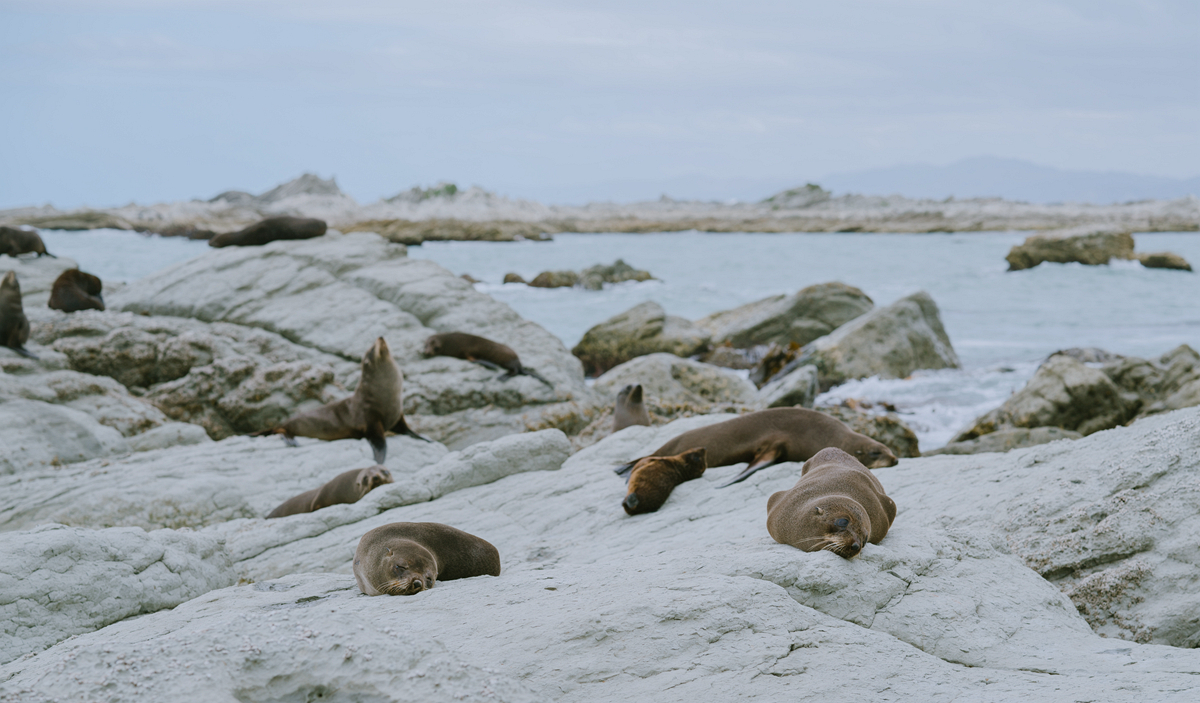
(1002, 324)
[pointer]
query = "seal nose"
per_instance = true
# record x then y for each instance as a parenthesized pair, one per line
(856, 546)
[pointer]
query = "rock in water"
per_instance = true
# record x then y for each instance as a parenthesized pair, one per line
(1164, 260)
(1085, 246)
(800, 318)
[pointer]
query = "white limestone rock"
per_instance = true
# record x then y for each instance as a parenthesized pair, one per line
(798, 387)
(666, 378)
(171, 434)
(39, 436)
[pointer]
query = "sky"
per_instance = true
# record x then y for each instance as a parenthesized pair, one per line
(108, 102)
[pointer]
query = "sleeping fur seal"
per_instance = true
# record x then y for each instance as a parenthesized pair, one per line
(837, 506)
(75, 290)
(369, 413)
(630, 408)
(405, 558)
(654, 477)
(346, 487)
(14, 326)
(14, 241)
(772, 436)
(480, 350)
(270, 230)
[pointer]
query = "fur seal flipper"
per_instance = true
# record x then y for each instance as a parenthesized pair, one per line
(405, 558)
(482, 351)
(14, 326)
(401, 428)
(346, 487)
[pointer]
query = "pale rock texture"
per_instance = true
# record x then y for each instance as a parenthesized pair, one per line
(643, 329)
(40, 435)
(886, 428)
(1006, 440)
(666, 378)
(797, 387)
(889, 342)
(799, 318)
(171, 434)
(102, 398)
(1085, 245)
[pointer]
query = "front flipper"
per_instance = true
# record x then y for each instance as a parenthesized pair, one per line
(772, 456)
(538, 376)
(374, 435)
(401, 427)
(487, 364)
(624, 469)
(25, 353)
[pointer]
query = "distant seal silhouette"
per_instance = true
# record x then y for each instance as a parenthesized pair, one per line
(270, 230)
(374, 408)
(772, 436)
(405, 558)
(837, 505)
(480, 350)
(75, 290)
(14, 241)
(14, 326)
(654, 477)
(346, 487)
(630, 408)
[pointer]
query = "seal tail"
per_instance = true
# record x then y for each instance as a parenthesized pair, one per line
(25, 353)
(772, 456)
(538, 376)
(401, 427)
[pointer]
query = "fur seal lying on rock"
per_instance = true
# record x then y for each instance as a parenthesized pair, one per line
(374, 408)
(270, 230)
(837, 506)
(405, 558)
(15, 241)
(75, 290)
(480, 350)
(14, 326)
(630, 408)
(346, 487)
(772, 436)
(654, 477)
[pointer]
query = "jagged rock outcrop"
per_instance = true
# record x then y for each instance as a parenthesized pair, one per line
(1087, 246)
(643, 329)
(799, 318)
(798, 387)
(1004, 440)
(666, 378)
(1169, 382)
(887, 428)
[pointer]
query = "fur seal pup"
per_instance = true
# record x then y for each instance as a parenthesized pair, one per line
(347, 487)
(374, 408)
(772, 436)
(405, 558)
(654, 477)
(630, 408)
(75, 290)
(480, 350)
(837, 505)
(14, 326)
(15, 241)
(270, 230)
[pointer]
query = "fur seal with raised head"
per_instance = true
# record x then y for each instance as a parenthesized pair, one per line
(480, 350)
(630, 408)
(374, 408)
(837, 505)
(270, 230)
(654, 477)
(14, 241)
(773, 436)
(405, 558)
(346, 487)
(75, 290)
(14, 326)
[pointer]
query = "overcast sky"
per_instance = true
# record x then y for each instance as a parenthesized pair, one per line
(110, 102)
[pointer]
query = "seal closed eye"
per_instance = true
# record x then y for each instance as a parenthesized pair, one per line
(405, 558)
(480, 350)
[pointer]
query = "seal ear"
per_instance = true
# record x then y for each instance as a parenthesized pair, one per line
(819, 511)
(390, 549)
(636, 394)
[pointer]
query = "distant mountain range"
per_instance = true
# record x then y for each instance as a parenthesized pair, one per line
(1010, 179)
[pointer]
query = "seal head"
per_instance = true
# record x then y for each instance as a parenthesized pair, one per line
(630, 408)
(405, 558)
(653, 478)
(14, 326)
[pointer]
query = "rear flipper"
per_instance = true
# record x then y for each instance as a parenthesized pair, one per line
(538, 376)
(375, 436)
(25, 353)
(772, 456)
(401, 427)
(488, 364)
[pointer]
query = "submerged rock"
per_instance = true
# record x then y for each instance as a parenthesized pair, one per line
(1164, 260)
(800, 318)
(555, 279)
(643, 329)
(1086, 246)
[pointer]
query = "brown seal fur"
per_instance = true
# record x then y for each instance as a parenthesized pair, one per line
(837, 505)
(270, 230)
(654, 477)
(630, 408)
(346, 487)
(772, 436)
(14, 326)
(374, 408)
(75, 290)
(405, 558)
(480, 350)
(15, 241)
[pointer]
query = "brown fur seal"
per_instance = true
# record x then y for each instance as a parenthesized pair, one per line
(75, 290)
(15, 241)
(480, 350)
(772, 436)
(837, 505)
(369, 413)
(14, 326)
(405, 558)
(654, 477)
(270, 230)
(347, 487)
(630, 408)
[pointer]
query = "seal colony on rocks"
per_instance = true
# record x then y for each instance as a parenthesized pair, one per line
(837, 506)
(630, 408)
(75, 290)
(374, 409)
(480, 350)
(270, 230)
(14, 326)
(769, 437)
(654, 477)
(347, 487)
(14, 241)
(405, 558)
